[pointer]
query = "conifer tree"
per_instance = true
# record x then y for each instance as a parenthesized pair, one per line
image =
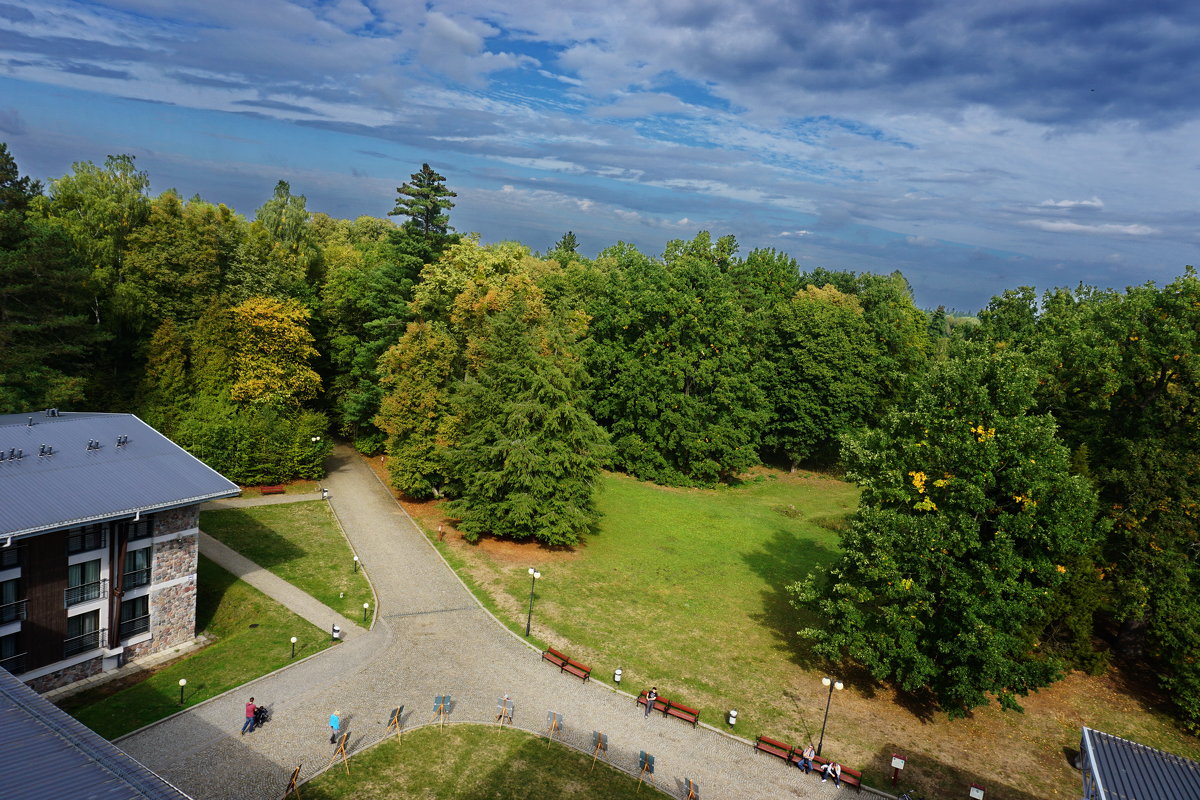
(425, 202)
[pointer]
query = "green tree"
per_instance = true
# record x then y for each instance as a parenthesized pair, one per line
(528, 454)
(425, 201)
(969, 526)
(272, 349)
(167, 391)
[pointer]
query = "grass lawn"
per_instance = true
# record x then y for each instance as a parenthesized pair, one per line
(251, 636)
(299, 542)
(685, 589)
(468, 762)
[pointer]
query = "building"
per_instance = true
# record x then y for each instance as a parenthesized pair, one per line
(99, 517)
(1118, 769)
(50, 755)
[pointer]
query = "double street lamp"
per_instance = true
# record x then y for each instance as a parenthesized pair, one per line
(832, 684)
(534, 574)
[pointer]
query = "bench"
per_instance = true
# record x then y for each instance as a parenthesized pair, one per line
(682, 712)
(565, 664)
(777, 749)
(271, 490)
(660, 703)
(850, 775)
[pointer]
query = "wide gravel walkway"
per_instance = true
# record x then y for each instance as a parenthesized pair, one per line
(431, 637)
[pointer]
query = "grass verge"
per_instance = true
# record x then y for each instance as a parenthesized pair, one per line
(250, 636)
(300, 543)
(469, 762)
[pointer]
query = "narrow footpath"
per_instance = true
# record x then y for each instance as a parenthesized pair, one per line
(431, 638)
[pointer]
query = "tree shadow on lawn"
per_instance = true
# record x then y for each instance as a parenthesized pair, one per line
(786, 558)
(234, 527)
(928, 776)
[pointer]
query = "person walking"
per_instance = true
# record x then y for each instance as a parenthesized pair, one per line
(248, 725)
(651, 696)
(335, 726)
(806, 759)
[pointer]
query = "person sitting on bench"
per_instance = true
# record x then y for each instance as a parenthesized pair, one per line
(835, 769)
(806, 758)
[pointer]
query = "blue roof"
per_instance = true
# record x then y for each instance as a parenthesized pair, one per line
(61, 482)
(49, 754)
(1119, 769)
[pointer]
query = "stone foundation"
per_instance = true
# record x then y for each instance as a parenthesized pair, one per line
(86, 669)
(172, 618)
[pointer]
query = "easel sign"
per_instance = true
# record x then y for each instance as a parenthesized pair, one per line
(341, 751)
(554, 722)
(693, 790)
(504, 710)
(599, 746)
(394, 721)
(646, 763)
(292, 787)
(441, 709)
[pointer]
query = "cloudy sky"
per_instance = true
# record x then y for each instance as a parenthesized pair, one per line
(976, 146)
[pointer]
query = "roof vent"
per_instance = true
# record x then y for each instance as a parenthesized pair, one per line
(30, 423)
(122, 440)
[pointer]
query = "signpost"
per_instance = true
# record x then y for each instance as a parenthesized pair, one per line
(977, 792)
(897, 765)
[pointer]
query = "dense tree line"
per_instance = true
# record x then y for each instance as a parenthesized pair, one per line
(1029, 476)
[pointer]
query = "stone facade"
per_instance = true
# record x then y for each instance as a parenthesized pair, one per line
(177, 519)
(85, 669)
(175, 559)
(172, 609)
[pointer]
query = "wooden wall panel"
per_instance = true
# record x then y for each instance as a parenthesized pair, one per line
(44, 574)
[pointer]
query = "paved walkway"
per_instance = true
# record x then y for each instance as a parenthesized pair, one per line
(431, 638)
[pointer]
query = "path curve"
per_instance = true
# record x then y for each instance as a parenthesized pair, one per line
(431, 637)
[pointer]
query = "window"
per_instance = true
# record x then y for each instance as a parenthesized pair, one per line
(10, 556)
(12, 658)
(135, 616)
(137, 568)
(83, 582)
(141, 529)
(83, 633)
(90, 538)
(12, 605)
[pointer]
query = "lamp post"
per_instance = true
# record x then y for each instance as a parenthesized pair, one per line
(356, 563)
(182, 683)
(529, 617)
(293, 647)
(832, 684)
(365, 607)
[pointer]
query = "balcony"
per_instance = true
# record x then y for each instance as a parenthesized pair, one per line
(132, 627)
(85, 592)
(11, 612)
(14, 664)
(136, 578)
(83, 642)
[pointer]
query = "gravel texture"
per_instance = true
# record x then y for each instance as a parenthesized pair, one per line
(431, 637)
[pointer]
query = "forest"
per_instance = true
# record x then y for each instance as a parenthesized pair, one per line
(1029, 474)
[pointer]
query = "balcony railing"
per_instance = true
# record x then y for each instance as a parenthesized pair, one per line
(136, 578)
(14, 664)
(84, 592)
(11, 612)
(83, 642)
(132, 627)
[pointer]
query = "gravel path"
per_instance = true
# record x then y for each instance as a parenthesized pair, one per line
(431, 637)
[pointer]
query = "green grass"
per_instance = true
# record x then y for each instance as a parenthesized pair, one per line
(300, 543)
(472, 762)
(251, 636)
(686, 589)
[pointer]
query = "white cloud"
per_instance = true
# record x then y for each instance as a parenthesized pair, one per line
(1095, 202)
(1063, 226)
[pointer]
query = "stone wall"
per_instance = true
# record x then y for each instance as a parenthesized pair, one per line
(177, 519)
(175, 559)
(172, 609)
(85, 669)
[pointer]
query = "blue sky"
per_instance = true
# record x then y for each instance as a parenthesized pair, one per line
(976, 146)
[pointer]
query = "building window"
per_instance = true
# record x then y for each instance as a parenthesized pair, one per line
(142, 528)
(137, 568)
(135, 616)
(12, 658)
(90, 538)
(10, 556)
(12, 604)
(83, 583)
(83, 633)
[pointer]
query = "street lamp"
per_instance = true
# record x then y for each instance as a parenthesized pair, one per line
(182, 683)
(365, 607)
(293, 647)
(529, 618)
(832, 685)
(356, 563)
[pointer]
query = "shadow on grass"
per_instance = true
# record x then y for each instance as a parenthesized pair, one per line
(929, 777)
(239, 530)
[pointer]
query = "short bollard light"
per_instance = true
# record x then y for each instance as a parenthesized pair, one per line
(337, 633)
(365, 607)
(732, 716)
(617, 676)
(182, 683)
(356, 563)
(293, 647)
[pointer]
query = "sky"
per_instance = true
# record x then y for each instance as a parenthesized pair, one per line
(975, 146)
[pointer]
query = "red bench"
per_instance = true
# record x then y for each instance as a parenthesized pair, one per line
(554, 657)
(271, 490)
(565, 664)
(680, 711)
(660, 703)
(772, 747)
(849, 774)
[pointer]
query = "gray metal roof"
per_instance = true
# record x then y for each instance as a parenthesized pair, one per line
(47, 754)
(1125, 770)
(74, 485)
